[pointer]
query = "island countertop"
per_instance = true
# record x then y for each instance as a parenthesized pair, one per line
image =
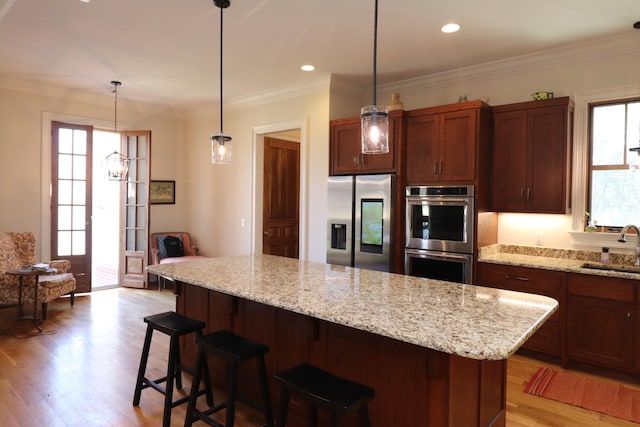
(464, 320)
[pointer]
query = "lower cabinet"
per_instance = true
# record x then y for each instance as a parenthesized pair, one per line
(597, 322)
(549, 339)
(601, 321)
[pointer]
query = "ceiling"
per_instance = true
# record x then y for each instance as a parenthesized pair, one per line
(167, 51)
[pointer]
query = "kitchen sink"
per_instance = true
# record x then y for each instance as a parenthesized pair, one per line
(612, 267)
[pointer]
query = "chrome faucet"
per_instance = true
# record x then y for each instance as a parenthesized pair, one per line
(623, 239)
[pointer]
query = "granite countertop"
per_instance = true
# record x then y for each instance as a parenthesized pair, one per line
(464, 320)
(560, 260)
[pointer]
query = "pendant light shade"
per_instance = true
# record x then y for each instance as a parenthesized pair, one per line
(221, 143)
(115, 165)
(374, 119)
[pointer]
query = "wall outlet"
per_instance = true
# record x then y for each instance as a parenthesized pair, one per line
(242, 222)
(539, 238)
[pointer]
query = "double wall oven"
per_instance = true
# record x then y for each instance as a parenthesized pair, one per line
(440, 232)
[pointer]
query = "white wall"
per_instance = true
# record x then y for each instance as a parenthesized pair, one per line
(222, 195)
(25, 150)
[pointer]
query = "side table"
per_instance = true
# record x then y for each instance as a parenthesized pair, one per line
(22, 273)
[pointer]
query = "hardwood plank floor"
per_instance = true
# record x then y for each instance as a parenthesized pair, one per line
(84, 373)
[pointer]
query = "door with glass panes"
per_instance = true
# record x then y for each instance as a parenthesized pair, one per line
(136, 146)
(71, 199)
(71, 207)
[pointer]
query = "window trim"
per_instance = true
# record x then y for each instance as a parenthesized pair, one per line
(580, 161)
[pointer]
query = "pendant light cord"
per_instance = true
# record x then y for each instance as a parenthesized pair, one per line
(375, 50)
(221, 11)
(115, 108)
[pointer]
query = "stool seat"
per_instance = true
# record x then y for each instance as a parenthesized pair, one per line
(174, 325)
(323, 390)
(232, 349)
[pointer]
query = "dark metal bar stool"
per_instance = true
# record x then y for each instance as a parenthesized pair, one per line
(233, 350)
(175, 325)
(322, 390)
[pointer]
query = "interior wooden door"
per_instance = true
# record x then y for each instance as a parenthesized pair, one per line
(281, 212)
(136, 146)
(71, 209)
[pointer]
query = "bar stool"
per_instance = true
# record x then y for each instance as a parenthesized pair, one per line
(322, 390)
(175, 325)
(232, 349)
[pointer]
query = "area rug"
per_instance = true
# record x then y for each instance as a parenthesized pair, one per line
(608, 398)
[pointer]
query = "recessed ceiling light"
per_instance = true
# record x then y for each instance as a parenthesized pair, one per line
(450, 28)
(308, 67)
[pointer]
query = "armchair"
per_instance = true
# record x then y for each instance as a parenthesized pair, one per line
(159, 253)
(19, 249)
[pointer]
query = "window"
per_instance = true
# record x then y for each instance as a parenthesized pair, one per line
(614, 171)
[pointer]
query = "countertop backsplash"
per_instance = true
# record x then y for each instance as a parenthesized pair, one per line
(570, 254)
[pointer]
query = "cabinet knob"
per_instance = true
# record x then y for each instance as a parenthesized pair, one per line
(529, 193)
(521, 193)
(435, 168)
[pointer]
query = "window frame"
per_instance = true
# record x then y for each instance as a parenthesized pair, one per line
(590, 166)
(581, 160)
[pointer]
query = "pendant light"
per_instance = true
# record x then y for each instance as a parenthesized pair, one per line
(221, 143)
(374, 119)
(115, 165)
(637, 149)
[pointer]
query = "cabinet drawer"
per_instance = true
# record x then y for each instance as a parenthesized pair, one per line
(610, 288)
(521, 279)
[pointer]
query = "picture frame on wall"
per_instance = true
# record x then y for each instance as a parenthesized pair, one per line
(162, 192)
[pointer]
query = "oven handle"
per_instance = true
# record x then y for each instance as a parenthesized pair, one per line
(437, 199)
(437, 254)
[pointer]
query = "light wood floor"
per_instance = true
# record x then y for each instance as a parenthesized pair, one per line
(84, 373)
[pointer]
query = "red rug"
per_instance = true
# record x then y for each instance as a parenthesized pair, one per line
(608, 398)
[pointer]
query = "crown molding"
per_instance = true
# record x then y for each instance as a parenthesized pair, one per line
(551, 58)
(321, 84)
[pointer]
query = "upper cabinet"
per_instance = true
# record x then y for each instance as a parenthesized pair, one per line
(445, 144)
(531, 156)
(345, 157)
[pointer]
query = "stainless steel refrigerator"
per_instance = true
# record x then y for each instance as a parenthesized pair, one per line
(359, 221)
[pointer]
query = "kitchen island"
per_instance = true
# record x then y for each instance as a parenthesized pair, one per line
(434, 351)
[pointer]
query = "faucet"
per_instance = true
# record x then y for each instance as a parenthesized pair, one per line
(623, 239)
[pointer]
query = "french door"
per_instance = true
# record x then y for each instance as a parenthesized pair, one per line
(71, 199)
(71, 206)
(136, 146)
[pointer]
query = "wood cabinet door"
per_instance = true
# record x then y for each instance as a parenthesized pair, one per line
(600, 331)
(457, 145)
(601, 320)
(546, 160)
(509, 161)
(422, 144)
(345, 148)
(346, 156)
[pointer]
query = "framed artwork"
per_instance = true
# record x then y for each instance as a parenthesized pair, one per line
(162, 192)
